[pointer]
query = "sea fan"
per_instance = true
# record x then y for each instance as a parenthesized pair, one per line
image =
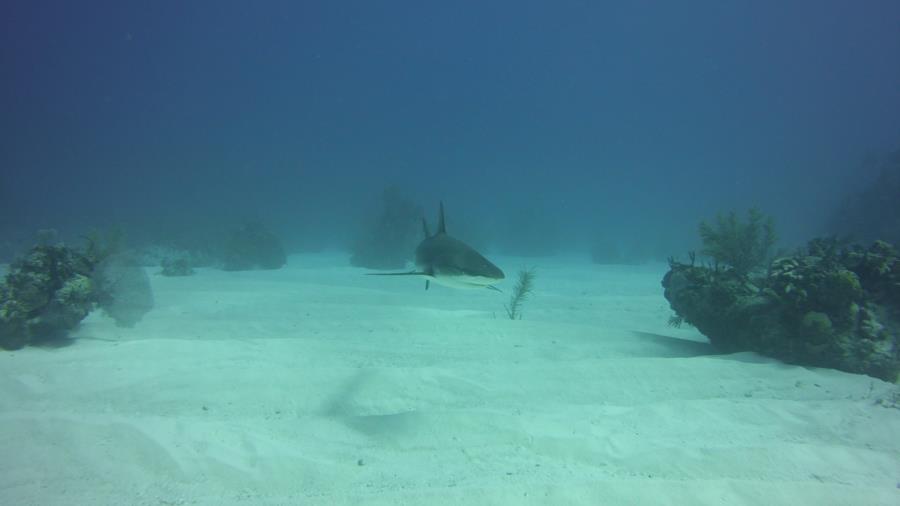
(521, 292)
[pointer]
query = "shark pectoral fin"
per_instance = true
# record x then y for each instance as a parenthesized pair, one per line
(494, 288)
(427, 283)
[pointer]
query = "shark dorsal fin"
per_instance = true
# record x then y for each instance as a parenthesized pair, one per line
(442, 227)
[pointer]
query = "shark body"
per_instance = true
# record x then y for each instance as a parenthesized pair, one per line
(451, 262)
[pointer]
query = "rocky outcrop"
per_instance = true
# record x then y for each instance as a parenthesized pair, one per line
(830, 306)
(45, 294)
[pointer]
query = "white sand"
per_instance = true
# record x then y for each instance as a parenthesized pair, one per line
(317, 385)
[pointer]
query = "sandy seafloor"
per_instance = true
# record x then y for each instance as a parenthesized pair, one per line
(314, 384)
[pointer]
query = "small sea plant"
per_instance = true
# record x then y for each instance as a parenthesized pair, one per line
(741, 245)
(521, 292)
(101, 246)
(676, 321)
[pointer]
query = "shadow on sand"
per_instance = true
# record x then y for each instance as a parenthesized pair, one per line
(662, 346)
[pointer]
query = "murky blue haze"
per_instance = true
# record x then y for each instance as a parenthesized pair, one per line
(630, 120)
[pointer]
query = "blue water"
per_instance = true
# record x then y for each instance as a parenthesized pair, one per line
(547, 129)
(633, 120)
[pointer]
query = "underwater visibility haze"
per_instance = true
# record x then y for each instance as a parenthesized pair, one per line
(677, 222)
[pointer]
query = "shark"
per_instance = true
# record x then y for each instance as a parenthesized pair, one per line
(450, 262)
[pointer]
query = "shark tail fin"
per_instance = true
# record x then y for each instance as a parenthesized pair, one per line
(442, 227)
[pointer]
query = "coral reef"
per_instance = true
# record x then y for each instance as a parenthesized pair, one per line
(390, 240)
(252, 246)
(45, 294)
(828, 306)
(50, 290)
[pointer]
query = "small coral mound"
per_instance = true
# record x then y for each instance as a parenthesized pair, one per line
(44, 295)
(252, 246)
(50, 290)
(829, 306)
(174, 267)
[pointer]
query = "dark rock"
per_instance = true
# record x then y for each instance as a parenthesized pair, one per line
(604, 251)
(828, 307)
(174, 267)
(389, 240)
(252, 246)
(532, 231)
